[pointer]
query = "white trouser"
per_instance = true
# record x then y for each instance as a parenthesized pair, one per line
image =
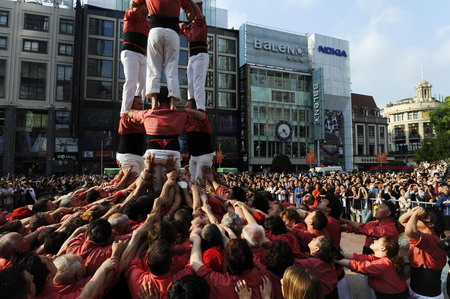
(344, 289)
(135, 69)
(162, 51)
(414, 295)
(196, 164)
(159, 165)
(135, 162)
(196, 73)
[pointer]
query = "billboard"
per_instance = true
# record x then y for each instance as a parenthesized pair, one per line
(269, 47)
(317, 99)
(66, 145)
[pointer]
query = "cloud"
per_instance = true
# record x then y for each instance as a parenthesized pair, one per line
(443, 31)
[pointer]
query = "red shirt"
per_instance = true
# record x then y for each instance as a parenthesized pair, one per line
(162, 122)
(276, 285)
(259, 253)
(196, 31)
(381, 272)
(375, 230)
(222, 284)
(203, 126)
(52, 293)
(306, 236)
(426, 252)
(67, 289)
(93, 253)
(126, 126)
(333, 229)
(290, 238)
(323, 271)
(135, 22)
(167, 8)
(137, 276)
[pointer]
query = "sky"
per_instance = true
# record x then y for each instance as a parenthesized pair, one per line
(389, 39)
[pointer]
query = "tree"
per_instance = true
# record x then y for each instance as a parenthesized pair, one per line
(434, 149)
(281, 163)
(440, 118)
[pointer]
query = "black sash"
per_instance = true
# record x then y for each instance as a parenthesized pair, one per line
(402, 295)
(197, 47)
(426, 282)
(163, 142)
(164, 22)
(131, 144)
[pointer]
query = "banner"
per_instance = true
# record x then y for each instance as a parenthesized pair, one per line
(219, 156)
(310, 158)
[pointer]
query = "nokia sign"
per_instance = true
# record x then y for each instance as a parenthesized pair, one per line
(332, 51)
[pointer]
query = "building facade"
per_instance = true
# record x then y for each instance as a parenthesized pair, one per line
(409, 122)
(99, 79)
(36, 63)
(294, 97)
(370, 132)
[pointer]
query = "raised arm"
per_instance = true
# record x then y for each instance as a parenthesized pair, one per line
(411, 226)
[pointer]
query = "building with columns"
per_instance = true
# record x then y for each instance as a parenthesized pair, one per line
(409, 122)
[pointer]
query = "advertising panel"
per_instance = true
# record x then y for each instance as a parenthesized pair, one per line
(317, 98)
(66, 145)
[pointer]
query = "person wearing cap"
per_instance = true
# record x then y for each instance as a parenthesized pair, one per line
(163, 47)
(197, 35)
(134, 51)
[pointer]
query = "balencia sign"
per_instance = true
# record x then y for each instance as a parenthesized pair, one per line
(332, 51)
(280, 48)
(316, 103)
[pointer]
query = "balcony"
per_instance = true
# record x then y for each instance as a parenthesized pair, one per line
(400, 137)
(414, 136)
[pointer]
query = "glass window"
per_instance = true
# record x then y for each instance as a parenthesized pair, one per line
(301, 116)
(2, 77)
(66, 26)
(100, 47)
(3, 42)
(283, 96)
(64, 83)
(211, 61)
(256, 129)
(32, 81)
(371, 131)
(226, 45)
(227, 123)
(382, 132)
(209, 99)
(99, 89)
(101, 27)
(35, 46)
(360, 149)
(97, 117)
(95, 140)
(4, 18)
(227, 144)
(360, 131)
(183, 57)
(182, 76)
(122, 35)
(121, 71)
(226, 63)
(302, 131)
(371, 149)
(100, 68)
(226, 81)
(65, 49)
(31, 142)
(183, 41)
(210, 79)
(36, 22)
(31, 119)
(210, 43)
(227, 100)
(302, 149)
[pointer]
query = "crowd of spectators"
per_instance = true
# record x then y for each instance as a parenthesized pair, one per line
(247, 235)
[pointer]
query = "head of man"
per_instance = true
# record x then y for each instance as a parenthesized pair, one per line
(42, 269)
(275, 209)
(70, 269)
(316, 220)
(43, 205)
(254, 235)
(233, 221)
(159, 258)
(275, 224)
(40, 219)
(385, 211)
(290, 217)
(16, 283)
(138, 103)
(99, 231)
(119, 223)
(308, 199)
(189, 287)
(13, 244)
(163, 98)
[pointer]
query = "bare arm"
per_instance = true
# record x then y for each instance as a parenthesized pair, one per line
(411, 227)
(196, 252)
(96, 285)
(249, 217)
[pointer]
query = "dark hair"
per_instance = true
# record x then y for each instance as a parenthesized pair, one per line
(261, 201)
(54, 241)
(275, 224)
(189, 287)
(436, 218)
(44, 233)
(73, 224)
(392, 208)
(320, 221)
(163, 231)
(99, 231)
(239, 194)
(159, 258)
(291, 214)
(38, 220)
(31, 262)
(163, 95)
(40, 206)
(11, 227)
(13, 283)
(183, 215)
(335, 206)
(279, 257)
(92, 195)
(147, 202)
(194, 104)
(211, 237)
(327, 250)
(238, 256)
(182, 229)
(392, 250)
(134, 210)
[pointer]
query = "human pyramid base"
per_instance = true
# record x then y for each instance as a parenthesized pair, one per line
(154, 232)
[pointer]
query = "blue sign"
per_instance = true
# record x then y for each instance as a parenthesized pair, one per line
(332, 51)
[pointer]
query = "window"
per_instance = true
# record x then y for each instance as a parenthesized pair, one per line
(226, 63)
(210, 99)
(36, 22)
(301, 116)
(371, 149)
(100, 68)
(371, 131)
(227, 100)
(210, 79)
(360, 149)
(226, 46)
(32, 81)
(183, 41)
(183, 57)
(99, 89)
(98, 117)
(2, 77)
(182, 77)
(95, 140)
(365, 112)
(101, 27)
(210, 43)
(413, 115)
(360, 131)
(382, 132)
(35, 46)
(121, 71)
(65, 49)
(3, 42)
(66, 26)
(100, 47)
(301, 131)
(211, 61)
(4, 18)
(226, 81)
(64, 83)
(283, 96)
